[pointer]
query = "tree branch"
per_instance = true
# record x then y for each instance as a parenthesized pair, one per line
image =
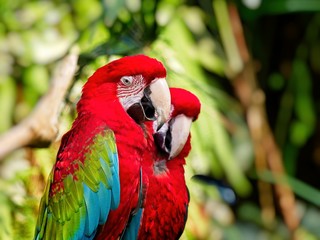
(40, 128)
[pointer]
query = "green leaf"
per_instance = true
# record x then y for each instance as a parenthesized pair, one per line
(6, 231)
(235, 64)
(7, 102)
(300, 188)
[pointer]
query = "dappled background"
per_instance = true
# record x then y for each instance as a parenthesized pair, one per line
(254, 64)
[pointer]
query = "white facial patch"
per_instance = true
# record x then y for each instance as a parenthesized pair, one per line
(130, 94)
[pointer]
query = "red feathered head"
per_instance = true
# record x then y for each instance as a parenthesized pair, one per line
(136, 82)
(174, 137)
(184, 102)
(149, 68)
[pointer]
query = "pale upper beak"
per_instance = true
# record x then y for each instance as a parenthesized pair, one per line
(180, 130)
(173, 135)
(159, 94)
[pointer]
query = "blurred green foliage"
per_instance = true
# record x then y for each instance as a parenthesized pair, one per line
(34, 35)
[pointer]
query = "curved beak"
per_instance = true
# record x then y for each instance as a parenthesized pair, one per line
(158, 94)
(180, 130)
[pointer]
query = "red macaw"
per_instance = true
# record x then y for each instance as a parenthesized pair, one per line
(96, 181)
(166, 199)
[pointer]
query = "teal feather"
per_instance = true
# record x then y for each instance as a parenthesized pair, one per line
(93, 213)
(88, 194)
(104, 196)
(116, 184)
(132, 229)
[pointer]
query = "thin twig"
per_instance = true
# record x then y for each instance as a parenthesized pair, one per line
(41, 126)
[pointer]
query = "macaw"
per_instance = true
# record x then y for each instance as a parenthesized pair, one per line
(95, 183)
(165, 206)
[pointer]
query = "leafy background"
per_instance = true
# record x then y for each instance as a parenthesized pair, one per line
(195, 41)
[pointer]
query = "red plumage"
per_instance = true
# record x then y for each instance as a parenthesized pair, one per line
(103, 106)
(100, 107)
(166, 196)
(101, 86)
(184, 102)
(131, 141)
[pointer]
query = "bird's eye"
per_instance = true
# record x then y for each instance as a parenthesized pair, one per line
(127, 80)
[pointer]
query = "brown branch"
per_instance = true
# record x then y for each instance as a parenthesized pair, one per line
(41, 126)
(267, 153)
(256, 125)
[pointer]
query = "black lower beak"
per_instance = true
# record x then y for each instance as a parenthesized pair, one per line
(136, 113)
(163, 140)
(144, 110)
(148, 109)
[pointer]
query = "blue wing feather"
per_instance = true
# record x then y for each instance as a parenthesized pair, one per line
(115, 200)
(132, 229)
(104, 196)
(93, 213)
(88, 195)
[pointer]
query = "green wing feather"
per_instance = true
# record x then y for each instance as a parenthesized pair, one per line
(86, 196)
